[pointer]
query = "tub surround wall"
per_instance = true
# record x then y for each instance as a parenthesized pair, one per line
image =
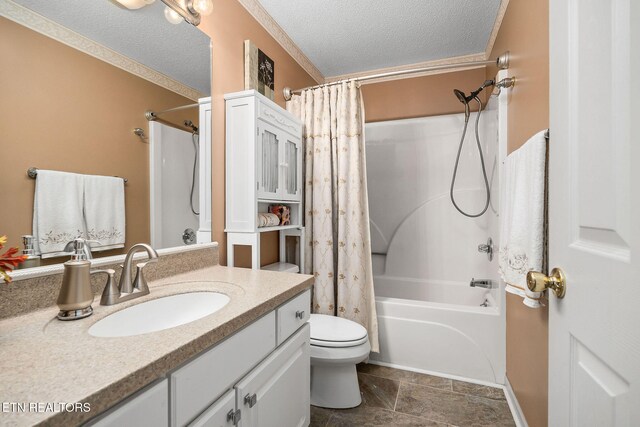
(37, 293)
(409, 167)
(525, 32)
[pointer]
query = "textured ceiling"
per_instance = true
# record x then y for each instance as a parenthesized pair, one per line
(144, 35)
(348, 36)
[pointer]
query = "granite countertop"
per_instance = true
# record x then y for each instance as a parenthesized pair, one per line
(44, 360)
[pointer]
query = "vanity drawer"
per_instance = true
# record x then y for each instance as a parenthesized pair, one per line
(293, 314)
(198, 384)
(278, 119)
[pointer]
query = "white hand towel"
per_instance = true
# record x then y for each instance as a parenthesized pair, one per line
(57, 211)
(104, 211)
(522, 219)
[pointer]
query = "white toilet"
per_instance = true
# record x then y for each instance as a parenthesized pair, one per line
(337, 345)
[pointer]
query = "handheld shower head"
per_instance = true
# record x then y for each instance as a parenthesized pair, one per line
(189, 124)
(466, 99)
(460, 95)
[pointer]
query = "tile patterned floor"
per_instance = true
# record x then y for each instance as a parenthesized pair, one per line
(393, 397)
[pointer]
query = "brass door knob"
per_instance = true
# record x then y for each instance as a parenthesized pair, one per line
(538, 282)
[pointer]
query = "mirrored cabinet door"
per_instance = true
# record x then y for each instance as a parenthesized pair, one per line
(268, 159)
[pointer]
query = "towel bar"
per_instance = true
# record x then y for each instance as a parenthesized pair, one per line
(33, 172)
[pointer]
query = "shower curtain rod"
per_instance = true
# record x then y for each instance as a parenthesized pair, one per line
(153, 115)
(502, 62)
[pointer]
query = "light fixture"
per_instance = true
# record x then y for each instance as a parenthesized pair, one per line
(189, 10)
(172, 16)
(134, 4)
(203, 7)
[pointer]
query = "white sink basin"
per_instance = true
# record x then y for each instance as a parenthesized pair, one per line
(159, 314)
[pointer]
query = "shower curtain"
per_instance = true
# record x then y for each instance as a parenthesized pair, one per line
(336, 203)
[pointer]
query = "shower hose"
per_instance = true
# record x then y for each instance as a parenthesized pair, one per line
(484, 171)
(195, 138)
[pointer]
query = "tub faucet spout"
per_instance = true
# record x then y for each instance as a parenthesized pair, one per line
(481, 283)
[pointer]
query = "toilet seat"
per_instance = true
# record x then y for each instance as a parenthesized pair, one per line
(338, 344)
(336, 332)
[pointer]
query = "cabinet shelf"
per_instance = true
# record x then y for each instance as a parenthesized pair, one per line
(279, 201)
(277, 228)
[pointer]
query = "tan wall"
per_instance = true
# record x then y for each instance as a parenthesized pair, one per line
(418, 97)
(525, 33)
(64, 110)
(228, 27)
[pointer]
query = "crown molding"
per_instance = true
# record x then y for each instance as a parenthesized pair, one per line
(496, 27)
(446, 61)
(256, 10)
(273, 28)
(28, 18)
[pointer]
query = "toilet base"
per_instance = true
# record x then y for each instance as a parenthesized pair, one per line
(335, 386)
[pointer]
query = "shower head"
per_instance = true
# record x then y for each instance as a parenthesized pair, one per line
(189, 124)
(461, 97)
(466, 99)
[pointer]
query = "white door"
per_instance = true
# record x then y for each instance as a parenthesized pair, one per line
(594, 208)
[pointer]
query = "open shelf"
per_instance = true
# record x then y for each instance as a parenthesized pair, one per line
(285, 267)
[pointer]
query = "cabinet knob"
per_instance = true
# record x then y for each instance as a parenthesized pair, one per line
(251, 400)
(234, 416)
(300, 314)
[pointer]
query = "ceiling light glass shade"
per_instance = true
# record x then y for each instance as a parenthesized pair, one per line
(172, 16)
(203, 7)
(134, 4)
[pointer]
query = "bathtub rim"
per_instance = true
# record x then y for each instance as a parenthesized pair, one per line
(492, 310)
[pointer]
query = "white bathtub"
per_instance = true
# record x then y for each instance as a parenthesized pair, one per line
(425, 252)
(441, 328)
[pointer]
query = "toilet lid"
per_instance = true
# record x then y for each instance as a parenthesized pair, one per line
(332, 331)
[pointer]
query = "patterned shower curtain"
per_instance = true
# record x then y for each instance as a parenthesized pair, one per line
(336, 205)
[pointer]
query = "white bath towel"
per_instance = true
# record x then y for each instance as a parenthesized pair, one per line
(104, 211)
(522, 219)
(57, 211)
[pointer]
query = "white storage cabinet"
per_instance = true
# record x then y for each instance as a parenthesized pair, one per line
(264, 162)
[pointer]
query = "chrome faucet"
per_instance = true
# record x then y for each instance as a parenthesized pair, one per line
(129, 289)
(70, 247)
(482, 283)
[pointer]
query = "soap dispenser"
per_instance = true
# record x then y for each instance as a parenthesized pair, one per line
(76, 295)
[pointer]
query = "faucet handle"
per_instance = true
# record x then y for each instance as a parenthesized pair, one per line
(140, 283)
(111, 292)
